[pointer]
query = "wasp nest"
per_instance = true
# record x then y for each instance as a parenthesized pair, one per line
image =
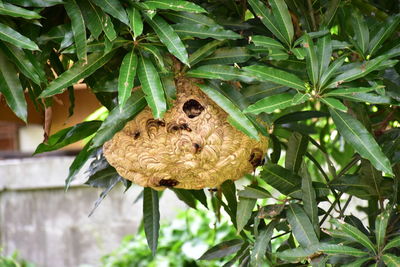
(192, 147)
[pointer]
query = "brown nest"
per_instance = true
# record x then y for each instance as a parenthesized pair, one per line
(193, 147)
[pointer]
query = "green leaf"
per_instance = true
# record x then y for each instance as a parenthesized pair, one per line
(385, 31)
(255, 192)
(228, 189)
(309, 201)
(324, 52)
(381, 223)
(333, 103)
(152, 87)
(244, 210)
(280, 178)
(11, 36)
(367, 97)
(236, 117)
(114, 8)
(266, 17)
(264, 73)
(18, 56)
(359, 71)
(93, 16)
(204, 51)
(361, 140)
(186, 196)
(261, 243)
(117, 118)
(311, 59)
(297, 147)
(391, 260)
(351, 91)
(176, 5)
(108, 28)
(228, 56)
(204, 31)
(68, 136)
(223, 249)
(361, 31)
(11, 88)
(333, 249)
(127, 73)
(395, 242)
(221, 72)
(78, 163)
(78, 28)
(190, 18)
(268, 42)
(36, 3)
(16, 11)
(356, 235)
(136, 21)
(297, 254)
(151, 217)
(169, 38)
(301, 226)
(357, 263)
(271, 103)
(156, 53)
(332, 70)
(283, 19)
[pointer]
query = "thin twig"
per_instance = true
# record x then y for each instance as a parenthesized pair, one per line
(311, 12)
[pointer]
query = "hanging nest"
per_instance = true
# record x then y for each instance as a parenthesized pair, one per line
(192, 147)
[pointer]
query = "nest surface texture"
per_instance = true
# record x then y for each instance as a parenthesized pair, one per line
(192, 147)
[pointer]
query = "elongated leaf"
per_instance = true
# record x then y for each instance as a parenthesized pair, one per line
(283, 19)
(268, 42)
(156, 53)
(356, 234)
(68, 136)
(280, 178)
(361, 140)
(151, 217)
(117, 118)
(301, 226)
(222, 72)
(253, 191)
(359, 71)
(16, 11)
(361, 31)
(114, 8)
(78, 71)
(152, 87)
(176, 5)
(190, 18)
(312, 60)
(370, 176)
(357, 263)
(223, 249)
(367, 97)
(324, 52)
(228, 56)
(93, 16)
(384, 32)
(395, 242)
(381, 223)
(204, 31)
(333, 103)
(333, 249)
(127, 73)
(264, 73)
(261, 244)
(266, 17)
(331, 71)
(36, 3)
(228, 189)
(18, 56)
(330, 12)
(135, 21)
(391, 260)
(309, 201)
(297, 147)
(169, 38)
(244, 210)
(11, 88)
(9, 35)
(78, 28)
(185, 196)
(77, 164)
(236, 117)
(297, 254)
(351, 91)
(204, 51)
(271, 103)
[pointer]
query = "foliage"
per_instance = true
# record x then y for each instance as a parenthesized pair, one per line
(324, 75)
(181, 242)
(13, 261)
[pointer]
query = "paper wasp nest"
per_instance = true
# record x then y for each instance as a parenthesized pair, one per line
(192, 147)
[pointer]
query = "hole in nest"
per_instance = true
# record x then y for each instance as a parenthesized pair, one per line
(168, 182)
(136, 135)
(197, 148)
(256, 157)
(192, 108)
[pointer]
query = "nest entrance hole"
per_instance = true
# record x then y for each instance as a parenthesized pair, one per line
(192, 108)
